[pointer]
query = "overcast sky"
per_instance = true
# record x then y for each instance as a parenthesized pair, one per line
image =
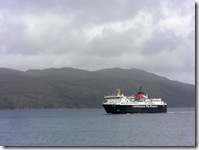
(155, 35)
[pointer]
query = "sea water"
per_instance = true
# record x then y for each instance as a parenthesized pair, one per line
(94, 127)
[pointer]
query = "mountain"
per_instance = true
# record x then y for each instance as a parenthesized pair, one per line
(75, 88)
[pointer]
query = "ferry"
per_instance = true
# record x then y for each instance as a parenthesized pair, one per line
(120, 104)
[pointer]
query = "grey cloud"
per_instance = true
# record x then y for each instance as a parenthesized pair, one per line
(83, 12)
(17, 37)
(15, 41)
(191, 35)
(111, 43)
(12, 36)
(160, 41)
(181, 7)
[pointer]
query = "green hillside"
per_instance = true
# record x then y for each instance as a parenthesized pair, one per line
(74, 88)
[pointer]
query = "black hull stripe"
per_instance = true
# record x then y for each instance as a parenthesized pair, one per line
(118, 109)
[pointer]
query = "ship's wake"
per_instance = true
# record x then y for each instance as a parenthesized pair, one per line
(182, 112)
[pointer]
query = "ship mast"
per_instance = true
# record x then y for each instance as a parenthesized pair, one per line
(118, 92)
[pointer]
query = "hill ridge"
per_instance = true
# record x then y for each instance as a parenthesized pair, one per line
(75, 88)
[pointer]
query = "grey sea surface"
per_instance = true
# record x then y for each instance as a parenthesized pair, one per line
(94, 127)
